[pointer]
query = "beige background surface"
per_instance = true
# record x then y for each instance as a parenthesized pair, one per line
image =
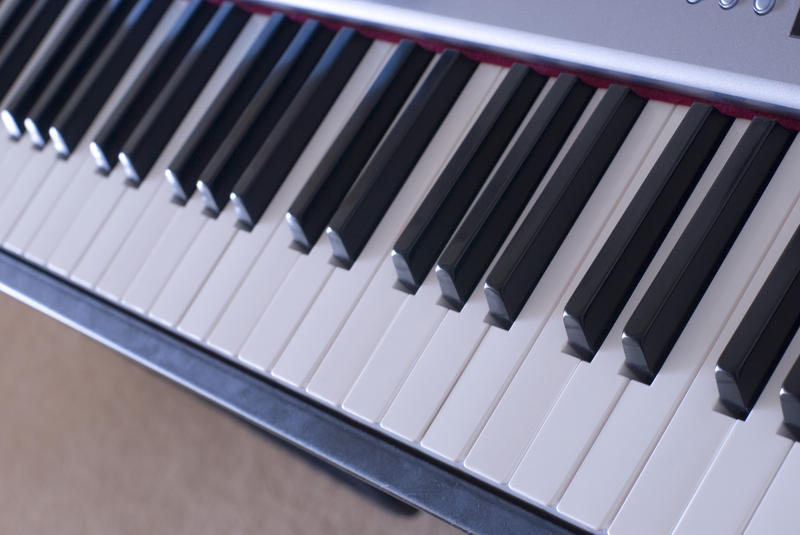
(92, 443)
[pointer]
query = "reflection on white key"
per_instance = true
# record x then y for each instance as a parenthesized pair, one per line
(114, 231)
(345, 288)
(396, 353)
(695, 433)
(611, 466)
(546, 369)
(237, 293)
(81, 182)
(583, 407)
(16, 197)
(164, 255)
(777, 512)
(351, 349)
(745, 465)
(488, 372)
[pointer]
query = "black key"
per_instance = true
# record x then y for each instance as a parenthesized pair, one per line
(13, 16)
(262, 114)
(533, 246)
(82, 108)
(610, 280)
(144, 91)
(426, 234)
(513, 182)
(23, 99)
(23, 42)
(673, 295)
(387, 170)
(147, 141)
(74, 69)
(763, 335)
(269, 167)
(316, 203)
(790, 399)
(184, 171)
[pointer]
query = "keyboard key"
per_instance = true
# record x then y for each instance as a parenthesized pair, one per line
(606, 287)
(511, 185)
(81, 177)
(243, 275)
(545, 370)
(527, 255)
(777, 511)
(758, 344)
(377, 185)
(90, 95)
(271, 164)
(185, 169)
(489, 370)
(148, 140)
(262, 114)
(163, 64)
(311, 211)
(74, 69)
(36, 81)
(24, 40)
(426, 234)
(609, 469)
(12, 17)
(665, 308)
(790, 399)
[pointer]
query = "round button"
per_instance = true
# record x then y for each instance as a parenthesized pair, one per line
(727, 4)
(762, 7)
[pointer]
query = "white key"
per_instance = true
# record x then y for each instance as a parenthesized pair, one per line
(437, 369)
(497, 358)
(19, 194)
(777, 512)
(546, 369)
(342, 364)
(583, 407)
(13, 165)
(111, 235)
(319, 328)
(692, 438)
(188, 278)
(203, 253)
(40, 206)
(396, 353)
(744, 466)
(137, 242)
(642, 412)
(165, 255)
(231, 290)
(82, 182)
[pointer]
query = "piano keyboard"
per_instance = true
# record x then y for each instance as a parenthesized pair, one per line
(580, 298)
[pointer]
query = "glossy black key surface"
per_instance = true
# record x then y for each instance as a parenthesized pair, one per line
(149, 84)
(790, 399)
(673, 295)
(610, 280)
(185, 169)
(82, 108)
(426, 234)
(20, 47)
(74, 69)
(146, 142)
(13, 16)
(513, 182)
(761, 338)
(387, 170)
(272, 163)
(262, 114)
(533, 246)
(316, 203)
(47, 66)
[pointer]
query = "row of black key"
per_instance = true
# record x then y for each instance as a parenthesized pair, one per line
(247, 143)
